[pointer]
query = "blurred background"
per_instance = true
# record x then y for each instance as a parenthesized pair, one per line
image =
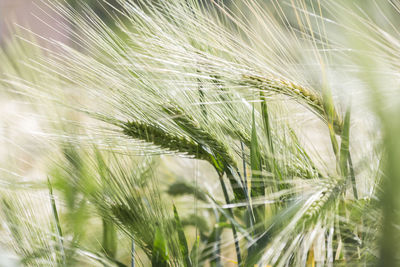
(24, 13)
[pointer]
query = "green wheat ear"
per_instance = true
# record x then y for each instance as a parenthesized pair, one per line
(204, 145)
(222, 157)
(219, 155)
(159, 137)
(308, 96)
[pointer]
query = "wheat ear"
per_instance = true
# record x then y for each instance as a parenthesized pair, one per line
(203, 137)
(204, 146)
(219, 155)
(288, 88)
(333, 188)
(159, 137)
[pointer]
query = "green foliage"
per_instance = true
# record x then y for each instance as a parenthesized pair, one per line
(182, 239)
(257, 181)
(194, 252)
(160, 250)
(109, 239)
(57, 223)
(257, 185)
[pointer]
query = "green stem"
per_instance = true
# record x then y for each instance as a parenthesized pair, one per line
(353, 177)
(133, 253)
(57, 222)
(249, 207)
(237, 248)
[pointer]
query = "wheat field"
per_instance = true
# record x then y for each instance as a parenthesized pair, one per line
(201, 133)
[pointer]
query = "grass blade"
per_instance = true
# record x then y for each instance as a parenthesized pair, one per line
(57, 222)
(266, 122)
(182, 239)
(345, 162)
(109, 239)
(160, 255)
(344, 145)
(226, 196)
(133, 253)
(194, 253)
(257, 186)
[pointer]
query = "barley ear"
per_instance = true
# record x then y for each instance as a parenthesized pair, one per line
(219, 155)
(307, 96)
(159, 137)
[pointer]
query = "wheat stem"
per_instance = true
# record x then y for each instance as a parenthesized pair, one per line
(237, 247)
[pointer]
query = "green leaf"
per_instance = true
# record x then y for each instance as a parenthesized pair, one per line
(194, 253)
(133, 253)
(257, 186)
(57, 222)
(257, 183)
(344, 145)
(276, 224)
(265, 116)
(109, 239)
(160, 250)
(182, 239)
(213, 245)
(330, 113)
